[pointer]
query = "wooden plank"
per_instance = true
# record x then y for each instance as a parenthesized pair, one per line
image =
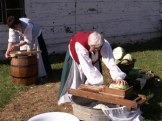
(91, 88)
(108, 91)
(110, 94)
(104, 98)
(23, 52)
(123, 93)
(143, 99)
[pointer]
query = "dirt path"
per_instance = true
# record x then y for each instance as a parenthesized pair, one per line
(38, 99)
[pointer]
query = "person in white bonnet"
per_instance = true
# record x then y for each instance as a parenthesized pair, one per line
(82, 66)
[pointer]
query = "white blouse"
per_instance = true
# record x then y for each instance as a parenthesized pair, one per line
(90, 71)
(26, 34)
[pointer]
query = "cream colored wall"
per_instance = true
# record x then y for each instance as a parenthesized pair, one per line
(121, 21)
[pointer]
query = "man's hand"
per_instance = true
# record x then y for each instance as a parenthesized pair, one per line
(120, 81)
(7, 54)
(15, 47)
(11, 46)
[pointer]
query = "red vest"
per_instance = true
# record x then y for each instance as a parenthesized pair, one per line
(82, 38)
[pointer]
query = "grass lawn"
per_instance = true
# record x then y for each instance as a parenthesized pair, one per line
(148, 57)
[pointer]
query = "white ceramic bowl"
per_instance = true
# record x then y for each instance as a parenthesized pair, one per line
(54, 116)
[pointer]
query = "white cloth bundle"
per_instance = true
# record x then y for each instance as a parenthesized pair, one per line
(122, 114)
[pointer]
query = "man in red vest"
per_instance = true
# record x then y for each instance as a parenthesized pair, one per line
(81, 64)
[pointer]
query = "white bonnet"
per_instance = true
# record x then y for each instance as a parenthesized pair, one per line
(95, 39)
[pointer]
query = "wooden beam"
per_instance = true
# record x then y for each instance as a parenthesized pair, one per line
(104, 98)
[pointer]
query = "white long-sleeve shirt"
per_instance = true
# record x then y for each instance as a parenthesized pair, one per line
(29, 33)
(90, 71)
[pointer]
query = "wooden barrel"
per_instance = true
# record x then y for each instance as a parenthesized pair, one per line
(24, 69)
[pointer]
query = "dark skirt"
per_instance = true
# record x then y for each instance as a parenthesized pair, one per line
(44, 54)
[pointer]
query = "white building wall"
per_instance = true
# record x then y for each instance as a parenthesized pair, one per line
(120, 21)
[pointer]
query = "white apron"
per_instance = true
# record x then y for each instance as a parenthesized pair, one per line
(41, 67)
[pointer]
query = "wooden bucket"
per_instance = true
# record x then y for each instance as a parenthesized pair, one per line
(24, 69)
(86, 113)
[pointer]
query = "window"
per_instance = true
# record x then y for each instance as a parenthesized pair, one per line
(11, 7)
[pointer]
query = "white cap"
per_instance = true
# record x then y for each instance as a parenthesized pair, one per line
(95, 39)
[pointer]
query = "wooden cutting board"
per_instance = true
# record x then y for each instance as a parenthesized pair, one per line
(108, 91)
(105, 94)
(23, 52)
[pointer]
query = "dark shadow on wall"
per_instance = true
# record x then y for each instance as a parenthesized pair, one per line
(56, 61)
(55, 58)
(5, 62)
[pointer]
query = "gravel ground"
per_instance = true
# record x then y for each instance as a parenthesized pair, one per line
(38, 99)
